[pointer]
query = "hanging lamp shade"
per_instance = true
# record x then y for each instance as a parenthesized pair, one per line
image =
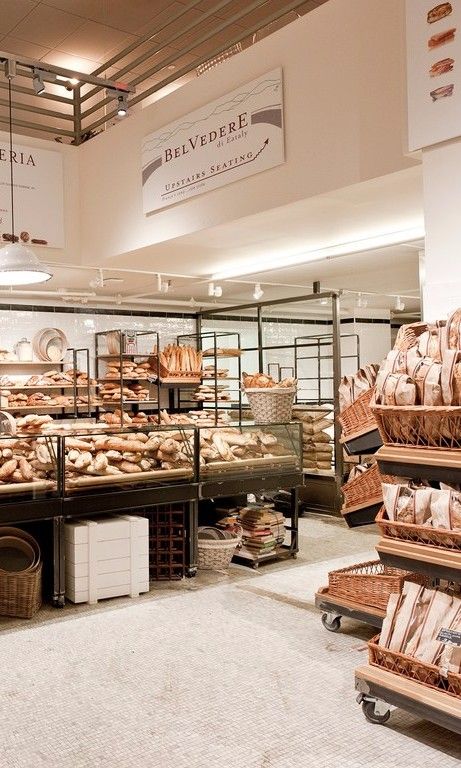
(20, 266)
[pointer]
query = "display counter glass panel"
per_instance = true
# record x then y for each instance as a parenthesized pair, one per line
(28, 466)
(120, 458)
(249, 448)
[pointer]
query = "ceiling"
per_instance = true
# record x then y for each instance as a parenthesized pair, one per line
(151, 45)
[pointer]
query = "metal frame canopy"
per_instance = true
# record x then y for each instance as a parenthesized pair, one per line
(80, 105)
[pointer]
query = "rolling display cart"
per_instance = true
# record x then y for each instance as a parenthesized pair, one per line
(379, 689)
(334, 608)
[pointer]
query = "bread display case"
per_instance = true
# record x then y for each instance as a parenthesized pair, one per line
(116, 458)
(247, 449)
(29, 467)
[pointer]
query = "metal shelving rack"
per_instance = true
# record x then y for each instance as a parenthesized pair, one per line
(213, 340)
(73, 410)
(123, 404)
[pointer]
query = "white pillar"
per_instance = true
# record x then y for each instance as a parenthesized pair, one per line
(441, 272)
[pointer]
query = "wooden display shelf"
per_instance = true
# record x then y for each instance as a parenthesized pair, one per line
(180, 381)
(110, 380)
(35, 485)
(274, 461)
(39, 388)
(319, 472)
(428, 463)
(38, 408)
(125, 355)
(340, 606)
(84, 481)
(433, 705)
(18, 363)
(435, 562)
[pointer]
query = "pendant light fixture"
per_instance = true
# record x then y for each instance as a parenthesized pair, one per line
(18, 264)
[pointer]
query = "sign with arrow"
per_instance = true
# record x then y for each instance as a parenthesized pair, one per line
(227, 140)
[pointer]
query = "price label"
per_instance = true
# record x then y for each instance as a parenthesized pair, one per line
(449, 637)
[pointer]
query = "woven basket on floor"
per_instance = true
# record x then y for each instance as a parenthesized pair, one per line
(271, 406)
(369, 583)
(406, 666)
(21, 592)
(358, 417)
(216, 554)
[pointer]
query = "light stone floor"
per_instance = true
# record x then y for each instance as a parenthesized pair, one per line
(222, 671)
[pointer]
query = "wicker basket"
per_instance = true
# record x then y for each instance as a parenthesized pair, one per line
(358, 418)
(420, 534)
(271, 406)
(21, 592)
(406, 666)
(369, 583)
(216, 554)
(365, 489)
(420, 425)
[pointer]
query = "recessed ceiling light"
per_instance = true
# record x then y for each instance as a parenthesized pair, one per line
(37, 82)
(171, 67)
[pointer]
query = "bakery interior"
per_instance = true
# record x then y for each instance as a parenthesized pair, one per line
(230, 416)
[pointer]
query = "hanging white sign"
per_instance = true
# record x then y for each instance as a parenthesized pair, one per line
(434, 71)
(234, 137)
(38, 196)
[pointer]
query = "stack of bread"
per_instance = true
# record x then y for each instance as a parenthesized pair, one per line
(264, 381)
(424, 368)
(317, 440)
(27, 461)
(129, 369)
(211, 372)
(209, 394)
(413, 622)
(196, 418)
(423, 505)
(114, 392)
(351, 387)
(181, 360)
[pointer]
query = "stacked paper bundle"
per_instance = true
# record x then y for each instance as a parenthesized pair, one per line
(263, 529)
(316, 438)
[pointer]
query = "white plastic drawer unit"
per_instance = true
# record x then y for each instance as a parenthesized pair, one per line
(106, 557)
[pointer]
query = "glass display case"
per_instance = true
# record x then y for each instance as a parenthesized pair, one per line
(245, 449)
(29, 466)
(118, 458)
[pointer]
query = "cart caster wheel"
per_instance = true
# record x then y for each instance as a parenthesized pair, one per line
(368, 709)
(59, 602)
(191, 572)
(333, 625)
(255, 566)
(294, 555)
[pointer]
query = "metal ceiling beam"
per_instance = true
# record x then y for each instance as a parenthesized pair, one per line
(185, 70)
(69, 74)
(29, 92)
(21, 107)
(203, 39)
(145, 39)
(37, 127)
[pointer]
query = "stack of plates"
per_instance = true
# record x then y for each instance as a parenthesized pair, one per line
(50, 345)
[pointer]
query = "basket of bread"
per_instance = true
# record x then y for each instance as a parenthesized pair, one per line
(271, 402)
(417, 399)
(178, 363)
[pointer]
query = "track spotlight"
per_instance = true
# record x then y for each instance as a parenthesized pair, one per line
(399, 304)
(37, 82)
(362, 303)
(214, 290)
(323, 302)
(122, 109)
(258, 292)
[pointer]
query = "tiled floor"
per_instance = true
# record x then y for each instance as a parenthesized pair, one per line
(220, 671)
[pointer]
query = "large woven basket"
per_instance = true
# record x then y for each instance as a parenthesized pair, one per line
(363, 490)
(271, 406)
(21, 592)
(406, 666)
(420, 425)
(216, 554)
(358, 418)
(369, 583)
(421, 534)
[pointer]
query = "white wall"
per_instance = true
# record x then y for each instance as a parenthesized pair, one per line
(70, 254)
(343, 70)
